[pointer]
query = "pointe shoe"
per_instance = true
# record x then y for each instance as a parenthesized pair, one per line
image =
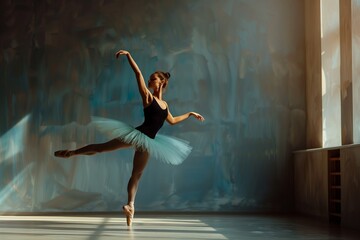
(129, 212)
(63, 153)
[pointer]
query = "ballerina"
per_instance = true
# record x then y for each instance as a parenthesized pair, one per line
(143, 138)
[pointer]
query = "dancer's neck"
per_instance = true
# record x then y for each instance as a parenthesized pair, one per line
(158, 95)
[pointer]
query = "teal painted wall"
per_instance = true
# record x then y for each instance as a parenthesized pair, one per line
(239, 63)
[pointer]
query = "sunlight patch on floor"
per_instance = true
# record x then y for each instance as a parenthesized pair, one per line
(31, 227)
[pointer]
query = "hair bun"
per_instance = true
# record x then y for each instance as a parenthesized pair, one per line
(167, 75)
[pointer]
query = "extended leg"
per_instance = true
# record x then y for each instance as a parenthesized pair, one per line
(139, 164)
(93, 148)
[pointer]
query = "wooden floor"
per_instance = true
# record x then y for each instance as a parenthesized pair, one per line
(170, 226)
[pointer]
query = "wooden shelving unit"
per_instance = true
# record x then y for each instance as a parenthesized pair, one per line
(334, 186)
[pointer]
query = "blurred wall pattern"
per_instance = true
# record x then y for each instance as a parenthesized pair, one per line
(238, 62)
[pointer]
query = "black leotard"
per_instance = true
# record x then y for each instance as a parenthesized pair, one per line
(154, 119)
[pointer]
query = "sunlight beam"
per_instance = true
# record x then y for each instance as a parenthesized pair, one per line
(11, 142)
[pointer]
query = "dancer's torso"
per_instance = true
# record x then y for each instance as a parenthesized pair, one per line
(154, 119)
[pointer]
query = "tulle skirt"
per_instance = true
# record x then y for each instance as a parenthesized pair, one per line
(167, 149)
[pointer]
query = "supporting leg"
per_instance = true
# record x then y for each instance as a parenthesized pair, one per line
(139, 164)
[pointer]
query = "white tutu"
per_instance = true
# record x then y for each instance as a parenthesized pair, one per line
(167, 149)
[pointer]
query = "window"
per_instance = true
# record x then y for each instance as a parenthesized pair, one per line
(330, 62)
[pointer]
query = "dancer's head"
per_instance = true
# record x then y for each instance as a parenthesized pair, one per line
(158, 79)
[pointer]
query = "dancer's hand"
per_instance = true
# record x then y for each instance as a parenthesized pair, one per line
(121, 52)
(198, 116)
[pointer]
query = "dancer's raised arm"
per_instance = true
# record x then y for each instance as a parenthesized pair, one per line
(143, 90)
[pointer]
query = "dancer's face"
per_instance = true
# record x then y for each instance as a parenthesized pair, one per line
(154, 82)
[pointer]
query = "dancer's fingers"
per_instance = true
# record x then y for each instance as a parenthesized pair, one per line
(199, 117)
(121, 52)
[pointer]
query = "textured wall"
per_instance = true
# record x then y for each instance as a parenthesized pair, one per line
(239, 63)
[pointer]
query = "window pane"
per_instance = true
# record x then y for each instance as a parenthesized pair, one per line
(330, 57)
(356, 68)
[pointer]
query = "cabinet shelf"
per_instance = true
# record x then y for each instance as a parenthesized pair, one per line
(334, 186)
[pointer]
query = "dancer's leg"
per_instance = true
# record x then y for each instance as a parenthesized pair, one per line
(94, 148)
(139, 164)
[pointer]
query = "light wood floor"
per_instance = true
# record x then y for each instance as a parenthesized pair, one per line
(170, 226)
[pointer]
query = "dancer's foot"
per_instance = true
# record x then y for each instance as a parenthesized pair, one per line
(129, 212)
(64, 153)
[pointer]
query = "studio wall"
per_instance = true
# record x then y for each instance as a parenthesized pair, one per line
(239, 63)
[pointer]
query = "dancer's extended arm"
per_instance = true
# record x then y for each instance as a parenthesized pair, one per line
(174, 120)
(144, 91)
